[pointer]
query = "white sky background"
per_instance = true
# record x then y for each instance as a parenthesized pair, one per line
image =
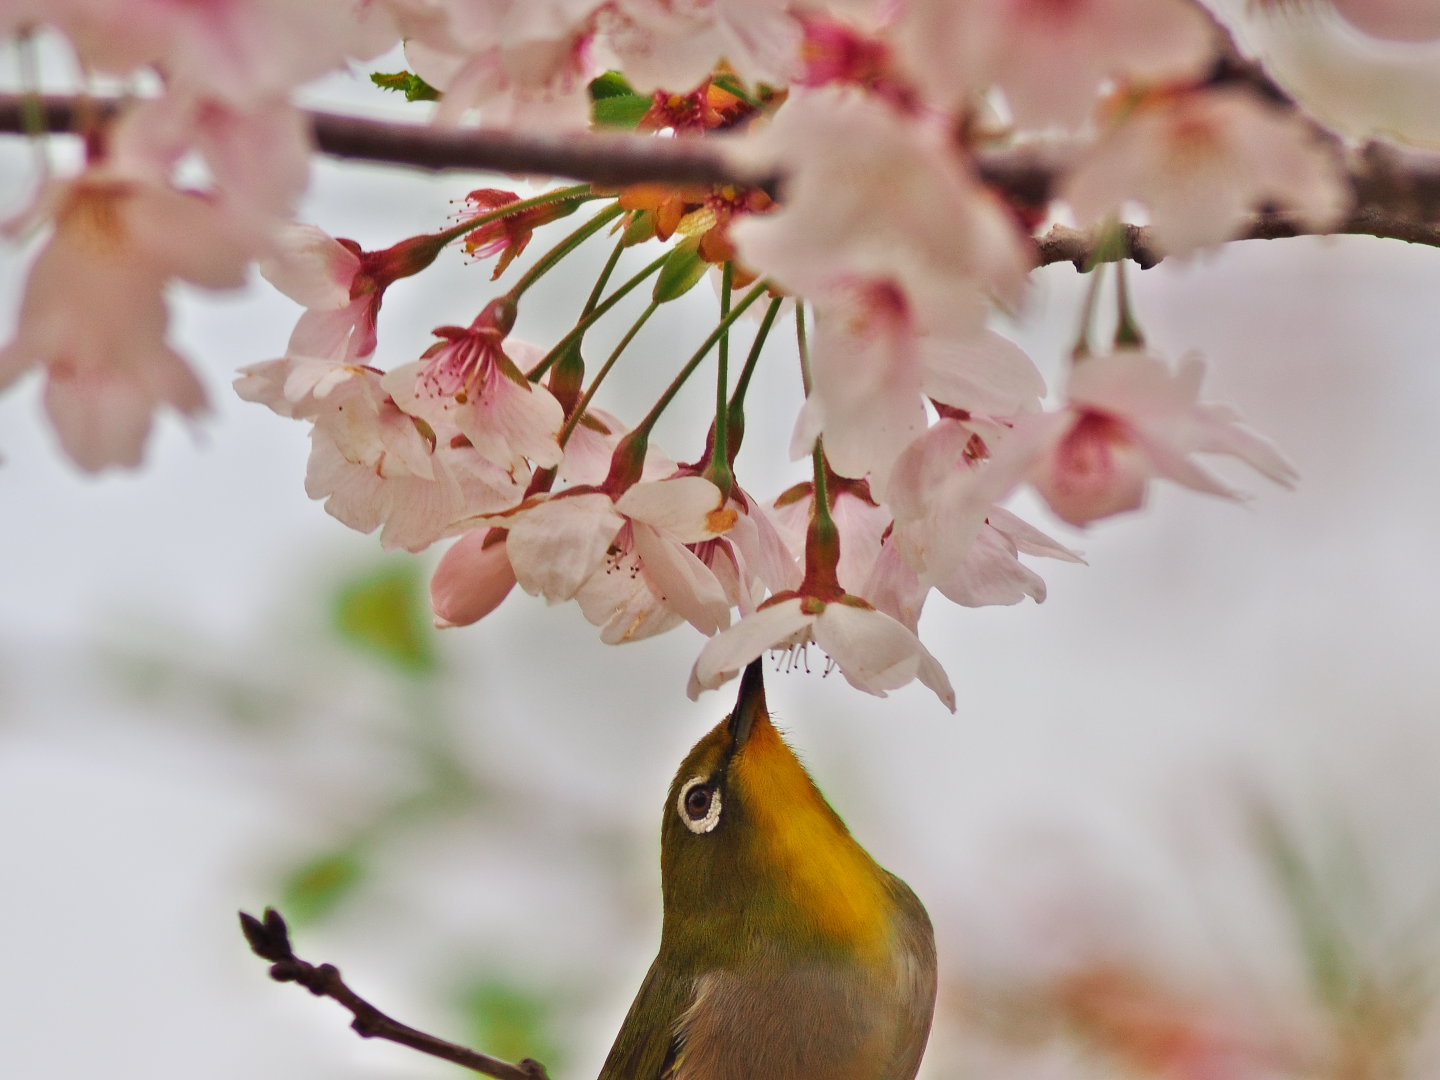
(1086, 789)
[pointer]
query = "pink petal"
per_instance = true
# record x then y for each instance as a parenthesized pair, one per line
(555, 545)
(682, 581)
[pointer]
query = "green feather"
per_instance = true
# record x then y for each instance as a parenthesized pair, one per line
(646, 1046)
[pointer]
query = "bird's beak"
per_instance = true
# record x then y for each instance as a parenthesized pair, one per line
(749, 705)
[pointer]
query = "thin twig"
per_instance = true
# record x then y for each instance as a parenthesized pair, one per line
(269, 938)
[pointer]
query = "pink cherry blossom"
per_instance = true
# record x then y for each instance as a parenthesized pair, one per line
(1203, 162)
(1050, 58)
(93, 313)
(1130, 419)
(873, 651)
(751, 559)
(472, 579)
(638, 543)
(469, 380)
(676, 44)
(523, 63)
(875, 363)
(876, 195)
(341, 286)
(375, 465)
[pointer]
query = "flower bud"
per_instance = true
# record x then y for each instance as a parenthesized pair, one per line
(473, 577)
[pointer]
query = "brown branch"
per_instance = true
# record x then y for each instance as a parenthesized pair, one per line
(1137, 243)
(269, 938)
(1396, 193)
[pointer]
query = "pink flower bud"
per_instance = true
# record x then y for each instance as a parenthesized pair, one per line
(472, 579)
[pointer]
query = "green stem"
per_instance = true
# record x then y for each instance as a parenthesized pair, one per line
(803, 340)
(594, 316)
(604, 278)
(720, 451)
(735, 413)
(1081, 349)
(1127, 332)
(31, 112)
(574, 418)
(552, 258)
(690, 365)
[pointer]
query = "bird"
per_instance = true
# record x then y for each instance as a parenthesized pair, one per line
(786, 951)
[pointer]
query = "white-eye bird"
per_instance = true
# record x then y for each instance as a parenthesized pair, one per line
(787, 952)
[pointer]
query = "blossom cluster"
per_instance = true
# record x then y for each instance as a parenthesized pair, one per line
(884, 243)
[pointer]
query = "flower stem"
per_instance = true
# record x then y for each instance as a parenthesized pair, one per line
(553, 257)
(589, 320)
(802, 338)
(1081, 349)
(579, 411)
(718, 470)
(1127, 331)
(690, 365)
(735, 412)
(604, 278)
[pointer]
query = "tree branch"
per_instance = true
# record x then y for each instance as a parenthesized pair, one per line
(1079, 246)
(1396, 192)
(269, 939)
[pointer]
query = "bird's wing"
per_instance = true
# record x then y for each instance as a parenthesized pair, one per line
(647, 1044)
(917, 979)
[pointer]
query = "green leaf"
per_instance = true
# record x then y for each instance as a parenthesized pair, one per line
(405, 82)
(316, 888)
(611, 84)
(640, 229)
(386, 611)
(620, 111)
(510, 1022)
(680, 271)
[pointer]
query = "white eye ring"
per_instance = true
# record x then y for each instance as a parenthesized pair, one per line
(712, 810)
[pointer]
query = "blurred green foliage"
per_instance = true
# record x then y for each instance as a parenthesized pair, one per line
(315, 888)
(511, 1022)
(386, 612)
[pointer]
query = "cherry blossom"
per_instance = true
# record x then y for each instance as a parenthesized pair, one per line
(1130, 419)
(469, 381)
(93, 313)
(1050, 58)
(676, 44)
(341, 286)
(375, 465)
(873, 651)
(558, 543)
(875, 195)
(523, 63)
(1203, 162)
(472, 579)
(874, 365)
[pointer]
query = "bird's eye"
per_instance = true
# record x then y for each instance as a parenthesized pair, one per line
(699, 805)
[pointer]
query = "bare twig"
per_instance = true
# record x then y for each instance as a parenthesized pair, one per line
(1080, 246)
(269, 938)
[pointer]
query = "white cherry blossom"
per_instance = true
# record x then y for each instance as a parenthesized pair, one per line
(873, 651)
(1050, 58)
(876, 195)
(1203, 162)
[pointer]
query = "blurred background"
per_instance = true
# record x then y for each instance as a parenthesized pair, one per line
(1183, 824)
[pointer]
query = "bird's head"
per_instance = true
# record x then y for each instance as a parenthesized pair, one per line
(752, 854)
